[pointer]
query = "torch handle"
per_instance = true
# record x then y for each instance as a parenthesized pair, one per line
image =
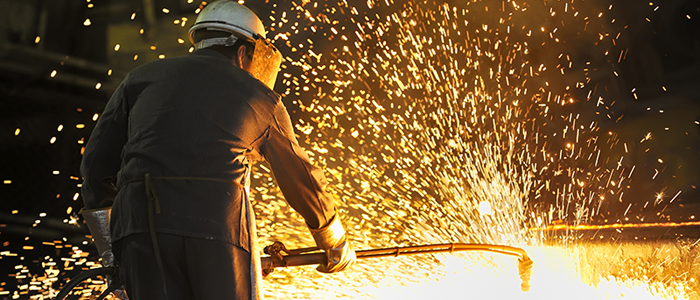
(294, 260)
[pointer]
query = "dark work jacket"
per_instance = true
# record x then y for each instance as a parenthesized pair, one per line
(195, 116)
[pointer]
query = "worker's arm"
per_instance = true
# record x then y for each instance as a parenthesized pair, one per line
(302, 183)
(101, 162)
(102, 156)
(304, 188)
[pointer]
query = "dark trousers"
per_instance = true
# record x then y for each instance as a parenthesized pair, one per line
(194, 268)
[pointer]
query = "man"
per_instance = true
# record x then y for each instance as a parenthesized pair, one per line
(171, 156)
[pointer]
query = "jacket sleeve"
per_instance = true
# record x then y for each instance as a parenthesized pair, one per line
(302, 183)
(102, 156)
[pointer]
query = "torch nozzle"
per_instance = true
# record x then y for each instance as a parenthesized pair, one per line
(525, 271)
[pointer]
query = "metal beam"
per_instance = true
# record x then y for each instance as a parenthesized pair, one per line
(67, 60)
(149, 10)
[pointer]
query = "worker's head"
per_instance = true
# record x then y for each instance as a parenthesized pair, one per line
(240, 51)
(230, 28)
(234, 30)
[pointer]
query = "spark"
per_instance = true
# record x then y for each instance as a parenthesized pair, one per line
(659, 197)
(434, 123)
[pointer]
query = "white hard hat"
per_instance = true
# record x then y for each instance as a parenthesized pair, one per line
(229, 16)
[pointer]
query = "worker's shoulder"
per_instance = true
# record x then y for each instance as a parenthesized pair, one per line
(245, 83)
(258, 91)
(208, 71)
(169, 61)
(268, 93)
(151, 68)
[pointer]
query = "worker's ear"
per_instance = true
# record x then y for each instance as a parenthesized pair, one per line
(240, 54)
(242, 59)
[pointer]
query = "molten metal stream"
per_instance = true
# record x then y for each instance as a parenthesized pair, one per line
(559, 227)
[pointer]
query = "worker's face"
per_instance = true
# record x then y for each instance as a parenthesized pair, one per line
(242, 59)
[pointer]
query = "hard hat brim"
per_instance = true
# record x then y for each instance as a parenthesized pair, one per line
(229, 16)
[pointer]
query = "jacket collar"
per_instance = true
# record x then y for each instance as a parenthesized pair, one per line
(211, 53)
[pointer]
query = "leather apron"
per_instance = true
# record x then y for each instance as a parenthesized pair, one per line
(256, 289)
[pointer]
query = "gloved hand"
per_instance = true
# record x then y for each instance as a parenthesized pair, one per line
(118, 292)
(108, 260)
(97, 221)
(333, 240)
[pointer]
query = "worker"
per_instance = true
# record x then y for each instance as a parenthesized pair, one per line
(169, 162)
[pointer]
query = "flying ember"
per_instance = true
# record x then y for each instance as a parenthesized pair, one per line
(477, 121)
(448, 111)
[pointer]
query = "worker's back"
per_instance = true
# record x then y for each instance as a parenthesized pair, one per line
(192, 116)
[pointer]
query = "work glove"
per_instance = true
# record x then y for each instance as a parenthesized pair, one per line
(333, 240)
(98, 222)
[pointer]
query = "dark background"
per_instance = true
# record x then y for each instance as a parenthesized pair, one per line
(657, 87)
